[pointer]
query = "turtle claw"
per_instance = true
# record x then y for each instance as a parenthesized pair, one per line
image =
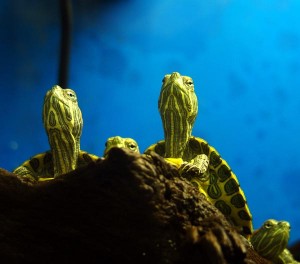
(202, 162)
(196, 168)
(189, 171)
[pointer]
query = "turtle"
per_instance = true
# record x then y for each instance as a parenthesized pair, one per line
(129, 143)
(178, 107)
(120, 142)
(270, 241)
(63, 123)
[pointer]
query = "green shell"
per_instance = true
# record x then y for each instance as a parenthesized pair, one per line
(40, 167)
(220, 185)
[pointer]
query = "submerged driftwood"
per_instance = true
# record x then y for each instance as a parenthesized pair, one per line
(127, 208)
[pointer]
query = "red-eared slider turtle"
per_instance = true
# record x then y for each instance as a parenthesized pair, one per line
(270, 241)
(178, 107)
(119, 142)
(63, 123)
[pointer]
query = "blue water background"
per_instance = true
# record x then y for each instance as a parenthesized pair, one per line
(244, 57)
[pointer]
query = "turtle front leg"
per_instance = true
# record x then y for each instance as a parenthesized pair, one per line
(196, 168)
(25, 174)
(196, 171)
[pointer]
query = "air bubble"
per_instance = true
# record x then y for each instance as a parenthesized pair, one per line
(13, 145)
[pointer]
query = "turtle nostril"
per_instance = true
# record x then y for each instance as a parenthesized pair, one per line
(175, 75)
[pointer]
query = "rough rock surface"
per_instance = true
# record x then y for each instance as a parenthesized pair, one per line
(127, 208)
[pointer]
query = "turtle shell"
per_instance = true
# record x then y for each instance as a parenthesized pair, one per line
(40, 166)
(221, 187)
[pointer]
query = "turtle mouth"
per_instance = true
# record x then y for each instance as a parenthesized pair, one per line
(177, 83)
(174, 76)
(56, 89)
(285, 225)
(178, 95)
(184, 83)
(55, 92)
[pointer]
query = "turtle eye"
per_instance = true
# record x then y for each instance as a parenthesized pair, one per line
(105, 144)
(71, 95)
(189, 82)
(131, 146)
(268, 225)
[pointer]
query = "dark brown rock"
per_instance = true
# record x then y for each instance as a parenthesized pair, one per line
(129, 207)
(295, 250)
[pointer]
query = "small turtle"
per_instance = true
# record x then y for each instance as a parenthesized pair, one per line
(178, 107)
(270, 241)
(63, 122)
(184, 167)
(119, 142)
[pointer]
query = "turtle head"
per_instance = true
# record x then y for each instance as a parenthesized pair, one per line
(63, 123)
(119, 142)
(271, 239)
(61, 111)
(178, 108)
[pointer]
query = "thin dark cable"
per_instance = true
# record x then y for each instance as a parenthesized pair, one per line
(65, 42)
